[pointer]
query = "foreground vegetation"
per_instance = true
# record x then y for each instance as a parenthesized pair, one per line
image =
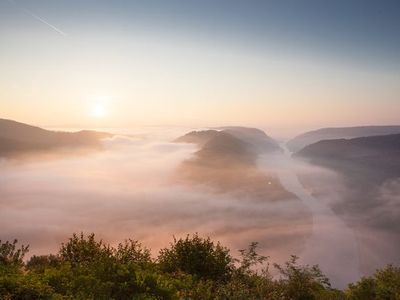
(190, 268)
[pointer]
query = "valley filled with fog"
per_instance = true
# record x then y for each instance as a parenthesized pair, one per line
(132, 189)
(233, 184)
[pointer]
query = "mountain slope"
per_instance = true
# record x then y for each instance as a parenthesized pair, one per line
(364, 190)
(226, 162)
(375, 157)
(19, 138)
(260, 141)
(197, 137)
(256, 139)
(311, 137)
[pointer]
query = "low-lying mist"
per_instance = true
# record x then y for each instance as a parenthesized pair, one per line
(145, 187)
(130, 190)
(370, 208)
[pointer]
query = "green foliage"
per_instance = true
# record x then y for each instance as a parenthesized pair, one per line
(39, 263)
(81, 250)
(10, 255)
(197, 256)
(14, 283)
(24, 286)
(191, 268)
(250, 279)
(301, 282)
(250, 258)
(383, 285)
(94, 270)
(132, 251)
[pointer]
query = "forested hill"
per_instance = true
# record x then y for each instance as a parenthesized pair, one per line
(19, 138)
(314, 136)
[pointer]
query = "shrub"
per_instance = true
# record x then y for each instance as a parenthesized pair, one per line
(383, 285)
(10, 255)
(301, 282)
(84, 250)
(197, 256)
(132, 251)
(191, 268)
(39, 263)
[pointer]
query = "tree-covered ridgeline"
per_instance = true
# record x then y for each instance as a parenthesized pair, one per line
(189, 268)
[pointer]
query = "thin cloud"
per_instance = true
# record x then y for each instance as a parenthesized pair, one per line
(35, 16)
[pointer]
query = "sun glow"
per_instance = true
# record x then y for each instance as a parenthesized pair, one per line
(99, 110)
(98, 106)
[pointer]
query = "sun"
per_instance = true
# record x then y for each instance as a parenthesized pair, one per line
(98, 106)
(99, 110)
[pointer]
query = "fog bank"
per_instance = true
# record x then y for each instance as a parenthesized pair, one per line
(128, 191)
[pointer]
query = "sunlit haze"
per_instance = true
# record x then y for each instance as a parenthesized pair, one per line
(200, 149)
(200, 63)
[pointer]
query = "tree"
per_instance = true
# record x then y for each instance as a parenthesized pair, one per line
(197, 256)
(11, 256)
(39, 263)
(250, 280)
(132, 251)
(383, 285)
(14, 283)
(84, 250)
(191, 268)
(301, 282)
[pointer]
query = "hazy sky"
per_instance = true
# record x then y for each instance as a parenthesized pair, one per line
(271, 64)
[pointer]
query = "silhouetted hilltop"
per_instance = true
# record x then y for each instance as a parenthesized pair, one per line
(224, 146)
(226, 161)
(365, 192)
(19, 138)
(197, 137)
(259, 140)
(220, 149)
(377, 156)
(255, 139)
(314, 136)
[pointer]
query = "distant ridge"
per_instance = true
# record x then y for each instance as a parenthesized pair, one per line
(227, 162)
(19, 138)
(197, 137)
(257, 140)
(311, 137)
(375, 155)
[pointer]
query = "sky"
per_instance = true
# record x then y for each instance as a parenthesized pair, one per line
(289, 65)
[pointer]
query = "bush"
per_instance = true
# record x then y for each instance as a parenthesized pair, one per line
(383, 285)
(39, 263)
(15, 283)
(132, 251)
(198, 257)
(24, 286)
(94, 270)
(11, 256)
(191, 268)
(81, 250)
(302, 282)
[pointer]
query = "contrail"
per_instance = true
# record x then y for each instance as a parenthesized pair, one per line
(38, 18)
